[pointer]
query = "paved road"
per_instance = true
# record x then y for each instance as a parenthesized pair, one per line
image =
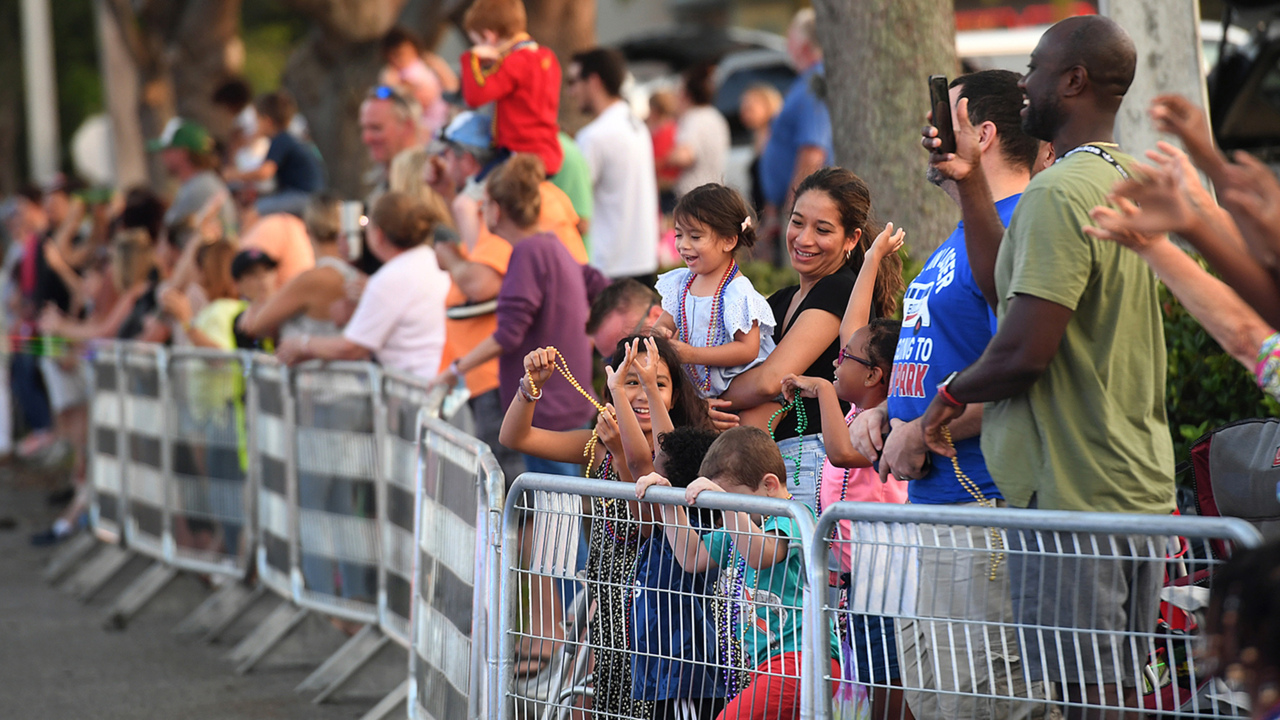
(58, 661)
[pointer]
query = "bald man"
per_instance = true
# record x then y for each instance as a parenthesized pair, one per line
(1074, 379)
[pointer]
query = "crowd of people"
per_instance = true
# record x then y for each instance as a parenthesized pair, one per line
(500, 256)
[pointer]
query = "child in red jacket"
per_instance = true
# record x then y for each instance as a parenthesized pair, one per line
(506, 67)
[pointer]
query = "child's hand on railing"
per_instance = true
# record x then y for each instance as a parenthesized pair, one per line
(648, 481)
(699, 486)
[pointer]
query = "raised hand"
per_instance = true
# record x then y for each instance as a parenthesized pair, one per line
(1252, 195)
(887, 242)
(608, 433)
(616, 378)
(968, 155)
(540, 364)
(1178, 116)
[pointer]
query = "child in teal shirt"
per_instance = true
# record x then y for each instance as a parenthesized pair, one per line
(764, 558)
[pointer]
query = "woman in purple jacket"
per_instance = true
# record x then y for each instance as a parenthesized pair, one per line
(544, 301)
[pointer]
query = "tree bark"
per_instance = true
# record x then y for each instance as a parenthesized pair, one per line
(182, 50)
(1166, 34)
(332, 69)
(879, 54)
(11, 150)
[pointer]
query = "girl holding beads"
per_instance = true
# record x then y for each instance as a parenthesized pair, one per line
(720, 326)
(665, 394)
(862, 371)
(673, 641)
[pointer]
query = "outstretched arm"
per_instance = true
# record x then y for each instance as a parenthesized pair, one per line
(858, 312)
(983, 230)
(835, 433)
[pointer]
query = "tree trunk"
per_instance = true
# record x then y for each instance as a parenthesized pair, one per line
(182, 50)
(333, 68)
(879, 54)
(11, 150)
(329, 77)
(1166, 34)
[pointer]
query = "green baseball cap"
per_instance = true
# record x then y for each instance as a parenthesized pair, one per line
(179, 133)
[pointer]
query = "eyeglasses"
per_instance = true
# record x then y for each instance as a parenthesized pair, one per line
(846, 355)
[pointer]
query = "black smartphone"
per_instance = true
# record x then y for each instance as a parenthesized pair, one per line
(940, 100)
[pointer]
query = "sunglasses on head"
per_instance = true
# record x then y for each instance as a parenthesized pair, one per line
(386, 92)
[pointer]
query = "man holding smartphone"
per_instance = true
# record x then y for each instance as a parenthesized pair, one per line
(946, 326)
(1074, 379)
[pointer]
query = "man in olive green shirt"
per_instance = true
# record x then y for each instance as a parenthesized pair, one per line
(1073, 380)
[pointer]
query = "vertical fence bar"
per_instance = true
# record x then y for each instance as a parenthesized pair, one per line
(144, 452)
(106, 446)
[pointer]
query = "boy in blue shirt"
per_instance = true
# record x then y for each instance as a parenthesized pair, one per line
(766, 559)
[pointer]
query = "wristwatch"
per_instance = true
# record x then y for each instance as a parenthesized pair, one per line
(945, 394)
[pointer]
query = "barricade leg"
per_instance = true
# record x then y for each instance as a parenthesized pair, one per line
(233, 612)
(232, 598)
(266, 636)
(389, 703)
(345, 663)
(71, 554)
(138, 594)
(95, 574)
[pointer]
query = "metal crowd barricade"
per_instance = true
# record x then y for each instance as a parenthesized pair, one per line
(403, 397)
(719, 624)
(1018, 613)
(146, 454)
(106, 446)
(454, 580)
(271, 429)
(336, 469)
(209, 496)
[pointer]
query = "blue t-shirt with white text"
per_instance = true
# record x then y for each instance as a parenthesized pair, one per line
(946, 324)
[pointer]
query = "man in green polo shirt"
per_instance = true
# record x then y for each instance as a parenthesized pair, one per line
(1074, 378)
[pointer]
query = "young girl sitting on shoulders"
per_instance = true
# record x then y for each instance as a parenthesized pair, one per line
(720, 326)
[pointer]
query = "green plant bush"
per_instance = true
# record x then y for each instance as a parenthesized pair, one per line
(1206, 387)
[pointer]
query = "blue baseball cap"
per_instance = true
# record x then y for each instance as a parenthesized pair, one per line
(472, 131)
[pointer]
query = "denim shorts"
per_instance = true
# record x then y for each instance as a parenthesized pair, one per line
(802, 482)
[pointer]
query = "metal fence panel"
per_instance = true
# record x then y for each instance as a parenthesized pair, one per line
(336, 453)
(403, 397)
(272, 464)
(993, 612)
(106, 445)
(146, 456)
(459, 495)
(718, 621)
(208, 442)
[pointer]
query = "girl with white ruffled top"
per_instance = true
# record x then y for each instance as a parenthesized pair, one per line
(719, 325)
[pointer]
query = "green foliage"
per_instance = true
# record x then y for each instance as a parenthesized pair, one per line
(266, 52)
(768, 278)
(76, 68)
(1206, 387)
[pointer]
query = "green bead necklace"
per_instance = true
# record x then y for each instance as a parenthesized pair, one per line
(802, 424)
